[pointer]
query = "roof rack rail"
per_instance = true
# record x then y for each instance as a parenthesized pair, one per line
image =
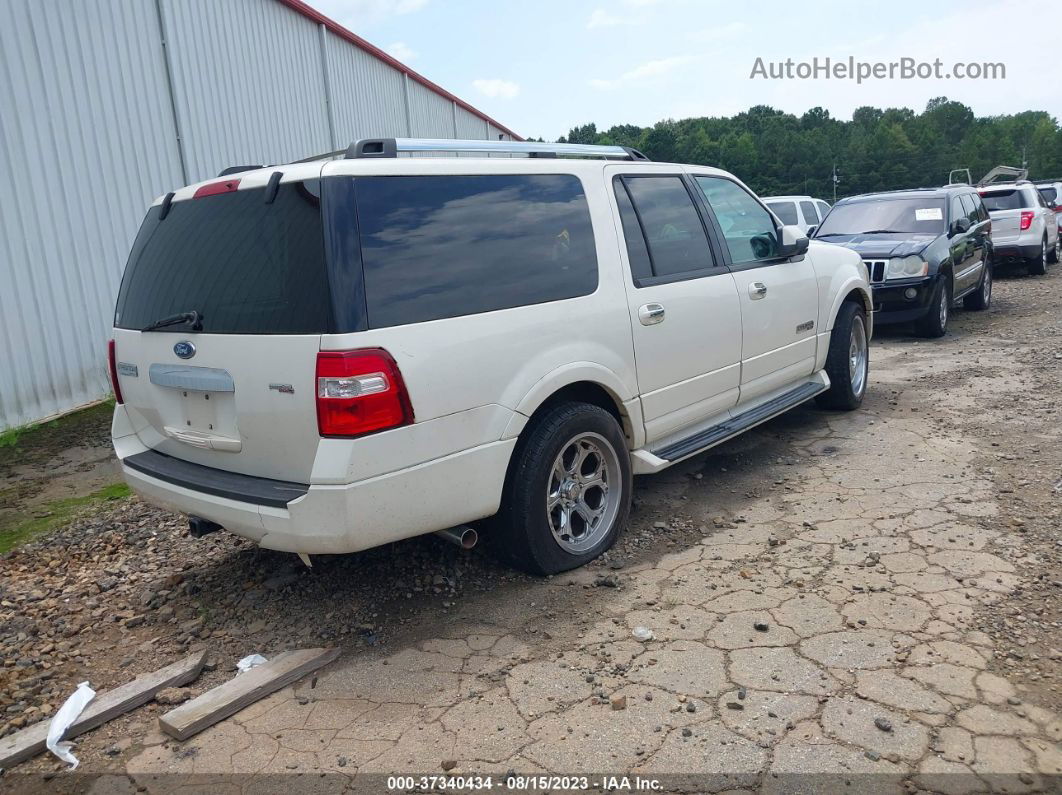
(392, 147)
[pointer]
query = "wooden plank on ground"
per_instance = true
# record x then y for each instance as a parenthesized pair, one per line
(242, 690)
(31, 741)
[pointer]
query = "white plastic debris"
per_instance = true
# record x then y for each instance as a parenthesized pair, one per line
(642, 633)
(62, 720)
(249, 662)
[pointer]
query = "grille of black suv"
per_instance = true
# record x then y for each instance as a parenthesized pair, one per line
(875, 269)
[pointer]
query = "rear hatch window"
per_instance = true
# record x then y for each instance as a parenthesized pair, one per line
(1004, 200)
(246, 266)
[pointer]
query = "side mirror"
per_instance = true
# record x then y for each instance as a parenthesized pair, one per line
(792, 242)
(960, 226)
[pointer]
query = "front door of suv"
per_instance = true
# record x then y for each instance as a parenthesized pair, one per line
(779, 297)
(683, 303)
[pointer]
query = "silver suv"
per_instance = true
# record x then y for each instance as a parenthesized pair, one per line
(1024, 228)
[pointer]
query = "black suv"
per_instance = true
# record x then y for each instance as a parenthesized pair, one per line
(924, 249)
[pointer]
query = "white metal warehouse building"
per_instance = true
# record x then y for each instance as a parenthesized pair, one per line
(107, 104)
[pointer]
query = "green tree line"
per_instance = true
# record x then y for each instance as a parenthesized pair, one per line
(879, 149)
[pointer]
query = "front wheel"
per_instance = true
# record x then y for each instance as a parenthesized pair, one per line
(848, 360)
(935, 322)
(982, 298)
(568, 491)
(1037, 266)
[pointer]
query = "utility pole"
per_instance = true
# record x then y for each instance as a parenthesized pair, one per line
(835, 179)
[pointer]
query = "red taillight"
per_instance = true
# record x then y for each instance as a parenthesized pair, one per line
(112, 365)
(214, 188)
(360, 392)
(1026, 219)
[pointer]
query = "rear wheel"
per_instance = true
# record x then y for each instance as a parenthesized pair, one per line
(1038, 265)
(1056, 252)
(848, 360)
(935, 322)
(982, 298)
(568, 492)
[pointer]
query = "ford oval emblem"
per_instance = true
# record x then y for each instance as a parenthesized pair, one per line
(184, 349)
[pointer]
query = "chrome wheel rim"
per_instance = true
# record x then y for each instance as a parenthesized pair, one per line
(986, 288)
(943, 309)
(1043, 254)
(857, 357)
(583, 495)
(1058, 249)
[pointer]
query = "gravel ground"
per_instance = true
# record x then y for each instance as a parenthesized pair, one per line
(126, 590)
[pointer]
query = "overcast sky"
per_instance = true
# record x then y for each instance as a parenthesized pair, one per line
(543, 66)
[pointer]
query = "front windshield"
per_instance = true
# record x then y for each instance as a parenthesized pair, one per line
(883, 216)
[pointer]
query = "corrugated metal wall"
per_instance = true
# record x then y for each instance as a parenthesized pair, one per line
(100, 117)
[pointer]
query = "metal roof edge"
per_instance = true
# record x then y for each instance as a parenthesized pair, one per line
(311, 13)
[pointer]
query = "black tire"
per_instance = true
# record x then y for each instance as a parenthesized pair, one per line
(1037, 266)
(1055, 254)
(842, 394)
(981, 298)
(934, 323)
(522, 532)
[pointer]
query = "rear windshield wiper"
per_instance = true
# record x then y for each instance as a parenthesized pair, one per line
(192, 317)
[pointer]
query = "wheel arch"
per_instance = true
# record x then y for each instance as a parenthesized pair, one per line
(854, 291)
(586, 383)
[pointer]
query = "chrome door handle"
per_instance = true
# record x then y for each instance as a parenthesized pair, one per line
(757, 290)
(650, 314)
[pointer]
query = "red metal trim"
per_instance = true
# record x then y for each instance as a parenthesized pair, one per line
(311, 13)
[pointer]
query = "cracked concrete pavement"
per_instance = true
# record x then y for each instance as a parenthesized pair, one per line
(828, 624)
(819, 593)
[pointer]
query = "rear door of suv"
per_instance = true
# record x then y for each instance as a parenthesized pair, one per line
(683, 302)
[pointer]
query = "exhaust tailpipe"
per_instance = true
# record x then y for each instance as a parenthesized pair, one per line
(464, 537)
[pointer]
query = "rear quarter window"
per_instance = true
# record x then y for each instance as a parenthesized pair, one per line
(435, 247)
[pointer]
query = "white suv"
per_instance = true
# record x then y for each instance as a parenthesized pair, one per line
(803, 211)
(328, 356)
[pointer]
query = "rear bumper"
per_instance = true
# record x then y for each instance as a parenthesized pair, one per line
(891, 304)
(338, 519)
(1016, 250)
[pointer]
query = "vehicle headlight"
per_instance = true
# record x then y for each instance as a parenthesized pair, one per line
(906, 267)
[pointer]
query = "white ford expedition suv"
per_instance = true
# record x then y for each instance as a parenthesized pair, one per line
(327, 356)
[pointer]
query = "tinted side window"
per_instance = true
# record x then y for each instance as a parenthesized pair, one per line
(443, 246)
(786, 212)
(1049, 194)
(823, 208)
(970, 210)
(673, 229)
(957, 210)
(747, 226)
(979, 207)
(637, 251)
(810, 216)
